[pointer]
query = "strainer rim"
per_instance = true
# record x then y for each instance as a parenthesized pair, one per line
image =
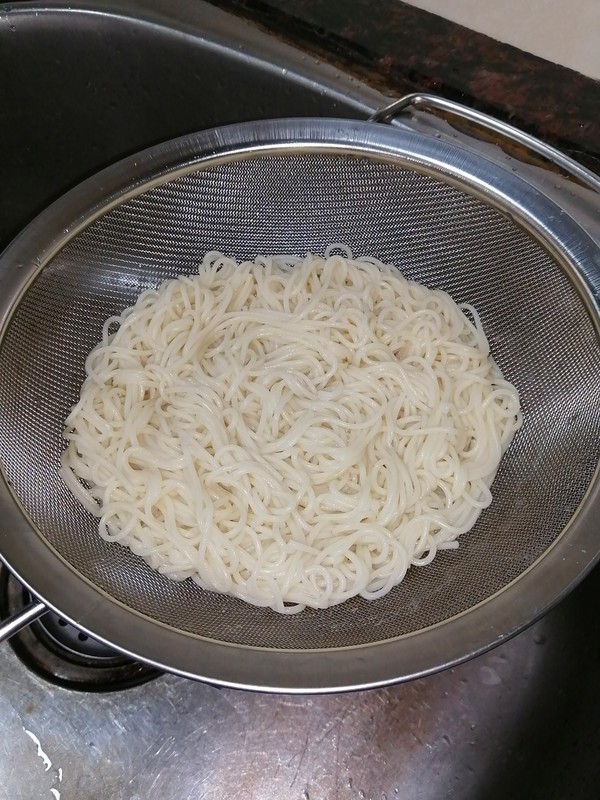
(105, 618)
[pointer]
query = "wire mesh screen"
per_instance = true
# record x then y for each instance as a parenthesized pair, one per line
(539, 330)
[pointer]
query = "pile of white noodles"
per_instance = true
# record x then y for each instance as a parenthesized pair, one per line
(292, 432)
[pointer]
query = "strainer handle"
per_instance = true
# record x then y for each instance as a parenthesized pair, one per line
(21, 619)
(428, 102)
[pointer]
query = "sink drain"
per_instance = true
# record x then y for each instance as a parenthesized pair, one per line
(63, 655)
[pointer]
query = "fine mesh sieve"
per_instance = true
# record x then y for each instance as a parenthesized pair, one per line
(440, 230)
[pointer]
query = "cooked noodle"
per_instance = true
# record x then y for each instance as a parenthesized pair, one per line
(293, 432)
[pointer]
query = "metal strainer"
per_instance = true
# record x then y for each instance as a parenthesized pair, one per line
(449, 218)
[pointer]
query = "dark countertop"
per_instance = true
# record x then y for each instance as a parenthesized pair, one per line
(401, 49)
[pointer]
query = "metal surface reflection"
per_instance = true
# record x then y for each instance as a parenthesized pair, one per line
(518, 721)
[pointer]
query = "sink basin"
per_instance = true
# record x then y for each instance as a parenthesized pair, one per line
(82, 88)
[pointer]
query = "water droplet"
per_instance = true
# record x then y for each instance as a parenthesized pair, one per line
(539, 638)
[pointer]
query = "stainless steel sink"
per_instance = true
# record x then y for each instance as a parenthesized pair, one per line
(80, 89)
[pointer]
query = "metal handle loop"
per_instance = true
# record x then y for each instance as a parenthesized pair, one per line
(427, 102)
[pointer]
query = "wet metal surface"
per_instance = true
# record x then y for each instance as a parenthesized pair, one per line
(520, 721)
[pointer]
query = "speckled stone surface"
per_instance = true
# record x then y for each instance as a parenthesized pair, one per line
(401, 49)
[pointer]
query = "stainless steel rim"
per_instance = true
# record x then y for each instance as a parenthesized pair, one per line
(55, 582)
